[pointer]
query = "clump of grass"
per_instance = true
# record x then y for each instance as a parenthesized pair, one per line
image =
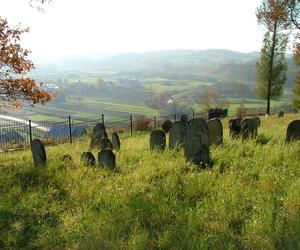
(249, 199)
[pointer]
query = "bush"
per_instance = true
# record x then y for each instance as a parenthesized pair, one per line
(142, 123)
(217, 113)
(241, 111)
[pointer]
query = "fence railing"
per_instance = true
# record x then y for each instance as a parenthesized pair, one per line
(19, 135)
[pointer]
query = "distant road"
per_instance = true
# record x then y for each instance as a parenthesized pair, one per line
(35, 125)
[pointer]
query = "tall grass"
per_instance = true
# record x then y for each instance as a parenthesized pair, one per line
(250, 199)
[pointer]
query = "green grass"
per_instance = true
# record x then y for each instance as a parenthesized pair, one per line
(158, 85)
(248, 200)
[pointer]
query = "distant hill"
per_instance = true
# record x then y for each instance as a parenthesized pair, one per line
(212, 65)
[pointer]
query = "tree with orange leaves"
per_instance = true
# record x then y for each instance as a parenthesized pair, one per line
(15, 87)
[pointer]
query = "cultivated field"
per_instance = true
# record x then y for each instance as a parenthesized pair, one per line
(249, 199)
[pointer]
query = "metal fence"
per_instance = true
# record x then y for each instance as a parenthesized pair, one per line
(261, 110)
(19, 135)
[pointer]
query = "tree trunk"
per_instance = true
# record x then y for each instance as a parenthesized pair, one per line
(271, 68)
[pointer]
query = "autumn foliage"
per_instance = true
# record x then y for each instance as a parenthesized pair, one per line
(15, 87)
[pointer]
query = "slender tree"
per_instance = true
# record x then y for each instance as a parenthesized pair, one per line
(15, 87)
(296, 99)
(271, 69)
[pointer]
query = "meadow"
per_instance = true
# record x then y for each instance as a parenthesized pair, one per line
(249, 199)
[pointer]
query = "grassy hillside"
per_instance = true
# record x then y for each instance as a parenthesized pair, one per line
(248, 200)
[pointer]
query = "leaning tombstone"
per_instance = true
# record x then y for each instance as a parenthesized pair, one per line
(98, 133)
(105, 143)
(196, 145)
(166, 126)
(38, 153)
(158, 140)
(88, 159)
(215, 131)
(280, 114)
(293, 131)
(106, 159)
(176, 136)
(184, 119)
(235, 126)
(249, 127)
(115, 140)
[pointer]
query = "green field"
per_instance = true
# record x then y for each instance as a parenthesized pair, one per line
(249, 199)
(157, 85)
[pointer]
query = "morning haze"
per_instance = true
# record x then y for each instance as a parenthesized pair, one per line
(76, 27)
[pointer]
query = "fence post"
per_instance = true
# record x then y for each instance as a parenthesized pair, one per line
(193, 113)
(154, 122)
(130, 125)
(103, 119)
(70, 129)
(175, 117)
(30, 132)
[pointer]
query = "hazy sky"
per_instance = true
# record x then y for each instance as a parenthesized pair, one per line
(77, 26)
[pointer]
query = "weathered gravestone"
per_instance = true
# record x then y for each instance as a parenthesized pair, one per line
(293, 131)
(258, 121)
(38, 153)
(66, 158)
(88, 159)
(280, 114)
(166, 126)
(106, 159)
(105, 143)
(115, 142)
(98, 133)
(215, 131)
(249, 127)
(235, 126)
(158, 140)
(196, 145)
(184, 119)
(176, 136)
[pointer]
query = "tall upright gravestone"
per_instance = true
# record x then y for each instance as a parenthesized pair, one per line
(215, 131)
(106, 159)
(235, 127)
(115, 141)
(258, 121)
(184, 119)
(98, 133)
(166, 126)
(176, 135)
(197, 140)
(158, 140)
(105, 143)
(293, 131)
(249, 127)
(38, 153)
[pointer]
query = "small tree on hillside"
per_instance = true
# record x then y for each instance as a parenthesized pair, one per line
(271, 69)
(15, 87)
